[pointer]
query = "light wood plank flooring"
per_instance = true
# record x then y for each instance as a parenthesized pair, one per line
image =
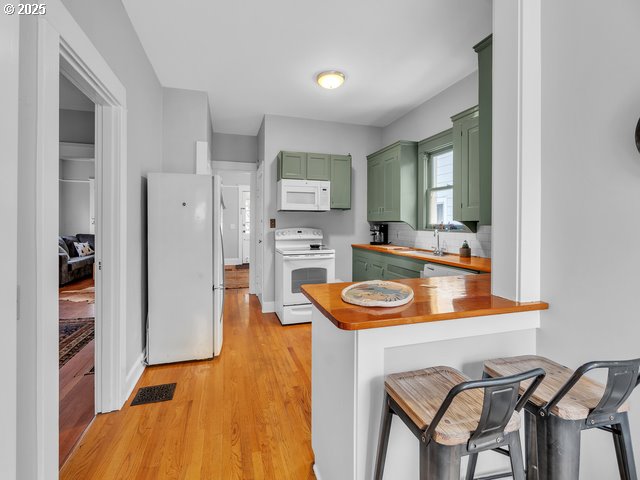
(244, 415)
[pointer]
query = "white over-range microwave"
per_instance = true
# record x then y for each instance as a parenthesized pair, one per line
(304, 195)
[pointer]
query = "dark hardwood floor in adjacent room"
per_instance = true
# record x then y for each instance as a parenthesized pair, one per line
(243, 415)
(236, 276)
(77, 403)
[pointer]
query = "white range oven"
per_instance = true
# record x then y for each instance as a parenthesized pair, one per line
(301, 259)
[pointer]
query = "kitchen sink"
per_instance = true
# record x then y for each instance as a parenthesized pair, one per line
(419, 253)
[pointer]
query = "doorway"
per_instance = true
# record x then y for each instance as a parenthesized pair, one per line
(63, 48)
(77, 254)
(238, 180)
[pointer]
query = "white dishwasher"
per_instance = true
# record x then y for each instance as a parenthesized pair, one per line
(437, 270)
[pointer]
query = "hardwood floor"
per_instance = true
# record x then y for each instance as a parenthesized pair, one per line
(243, 415)
(76, 403)
(236, 277)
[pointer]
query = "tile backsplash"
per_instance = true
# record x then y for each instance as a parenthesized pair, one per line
(480, 242)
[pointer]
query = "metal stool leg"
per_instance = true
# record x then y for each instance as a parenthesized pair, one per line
(471, 466)
(530, 445)
(558, 446)
(439, 462)
(383, 440)
(624, 449)
(515, 455)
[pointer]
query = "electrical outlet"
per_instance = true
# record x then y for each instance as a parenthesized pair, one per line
(272, 223)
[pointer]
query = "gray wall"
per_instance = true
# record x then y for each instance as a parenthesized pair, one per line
(107, 25)
(234, 148)
(590, 176)
(341, 228)
(434, 115)
(185, 122)
(77, 126)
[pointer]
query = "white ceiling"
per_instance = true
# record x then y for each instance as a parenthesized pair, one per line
(254, 56)
(73, 99)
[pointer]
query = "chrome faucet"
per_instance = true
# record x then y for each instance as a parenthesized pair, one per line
(438, 252)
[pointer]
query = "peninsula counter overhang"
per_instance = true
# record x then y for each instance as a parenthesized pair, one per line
(435, 299)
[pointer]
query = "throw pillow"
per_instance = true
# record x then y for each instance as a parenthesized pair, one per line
(83, 249)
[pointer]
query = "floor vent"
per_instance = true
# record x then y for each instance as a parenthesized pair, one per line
(155, 393)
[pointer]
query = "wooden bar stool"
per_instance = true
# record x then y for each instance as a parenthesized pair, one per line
(453, 416)
(566, 403)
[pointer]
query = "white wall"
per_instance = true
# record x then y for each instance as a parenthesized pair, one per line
(74, 197)
(185, 121)
(341, 228)
(234, 148)
(9, 51)
(591, 178)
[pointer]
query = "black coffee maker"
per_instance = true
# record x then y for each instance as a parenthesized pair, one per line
(379, 234)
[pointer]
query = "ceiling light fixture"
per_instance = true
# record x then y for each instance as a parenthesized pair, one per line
(330, 80)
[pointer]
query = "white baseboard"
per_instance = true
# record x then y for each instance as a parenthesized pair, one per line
(133, 376)
(317, 473)
(268, 307)
(233, 261)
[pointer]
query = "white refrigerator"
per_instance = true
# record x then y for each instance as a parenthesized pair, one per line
(185, 267)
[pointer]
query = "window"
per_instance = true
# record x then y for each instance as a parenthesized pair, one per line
(440, 187)
(436, 182)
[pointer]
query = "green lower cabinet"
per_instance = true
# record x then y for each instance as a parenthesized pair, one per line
(368, 265)
(466, 167)
(340, 181)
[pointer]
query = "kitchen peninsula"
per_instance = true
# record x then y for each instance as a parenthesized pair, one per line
(451, 321)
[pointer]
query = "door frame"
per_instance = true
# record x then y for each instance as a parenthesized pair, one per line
(63, 48)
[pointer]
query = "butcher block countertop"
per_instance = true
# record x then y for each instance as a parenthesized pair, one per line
(479, 264)
(435, 299)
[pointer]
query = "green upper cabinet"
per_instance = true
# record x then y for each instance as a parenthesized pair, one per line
(292, 165)
(485, 85)
(340, 168)
(392, 184)
(466, 166)
(318, 166)
(375, 189)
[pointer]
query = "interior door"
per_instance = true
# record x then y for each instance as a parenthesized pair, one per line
(245, 223)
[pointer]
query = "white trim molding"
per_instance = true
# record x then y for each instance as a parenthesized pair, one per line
(62, 48)
(136, 371)
(516, 156)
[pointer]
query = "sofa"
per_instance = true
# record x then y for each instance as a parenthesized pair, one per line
(72, 267)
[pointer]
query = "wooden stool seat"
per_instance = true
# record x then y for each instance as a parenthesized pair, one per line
(582, 398)
(420, 394)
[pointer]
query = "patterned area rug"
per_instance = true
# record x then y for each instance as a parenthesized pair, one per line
(74, 335)
(85, 295)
